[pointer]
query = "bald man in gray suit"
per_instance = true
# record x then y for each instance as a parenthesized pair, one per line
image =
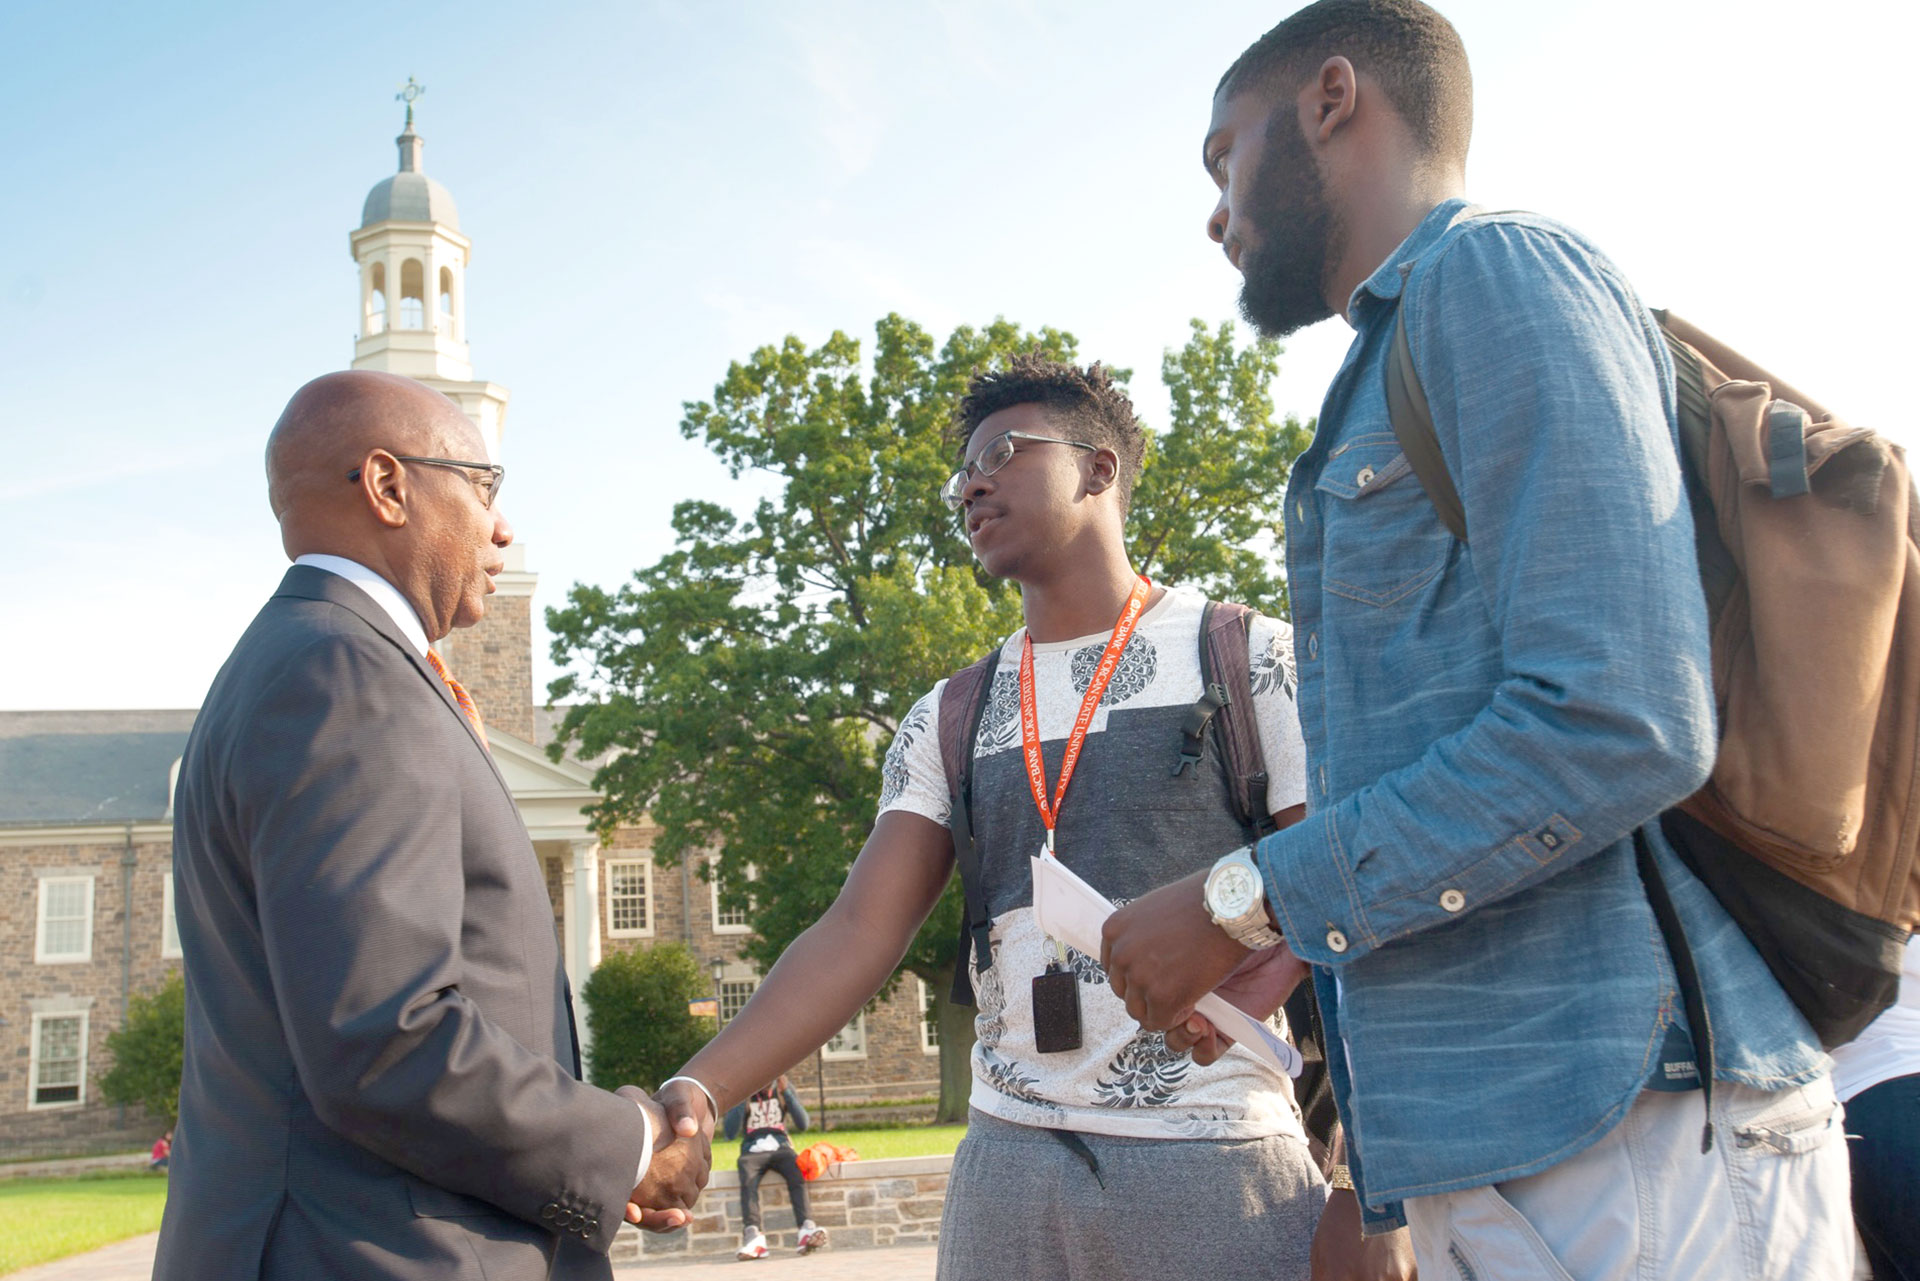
(382, 1073)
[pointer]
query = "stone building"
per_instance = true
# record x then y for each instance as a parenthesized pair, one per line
(86, 901)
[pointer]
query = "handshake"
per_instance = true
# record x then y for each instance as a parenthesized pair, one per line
(683, 1124)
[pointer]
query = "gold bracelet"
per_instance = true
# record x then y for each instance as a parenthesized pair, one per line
(1338, 1178)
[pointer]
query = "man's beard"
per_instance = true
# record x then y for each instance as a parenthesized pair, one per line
(1284, 276)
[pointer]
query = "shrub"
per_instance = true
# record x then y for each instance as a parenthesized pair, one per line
(147, 1050)
(637, 1018)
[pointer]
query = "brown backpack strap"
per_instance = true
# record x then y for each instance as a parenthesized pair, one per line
(1412, 421)
(1226, 701)
(962, 703)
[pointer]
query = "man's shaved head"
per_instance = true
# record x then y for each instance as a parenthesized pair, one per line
(340, 484)
(331, 424)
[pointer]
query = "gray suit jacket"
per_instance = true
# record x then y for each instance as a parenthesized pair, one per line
(381, 1078)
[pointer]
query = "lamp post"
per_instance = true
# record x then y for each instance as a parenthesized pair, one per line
(719, 966)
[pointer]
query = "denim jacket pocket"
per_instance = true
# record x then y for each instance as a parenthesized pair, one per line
(1383, 538)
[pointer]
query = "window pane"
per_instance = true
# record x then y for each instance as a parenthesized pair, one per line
(58, 1078)
(66, 938)
(59, 1040)
(851, 1039)
(929, 1030)
(66, 899)
(627, 894)
(733, 997)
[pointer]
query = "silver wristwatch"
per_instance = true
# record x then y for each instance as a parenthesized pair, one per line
(1236, 896)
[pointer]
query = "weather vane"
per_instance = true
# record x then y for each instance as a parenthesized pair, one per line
(408, 93)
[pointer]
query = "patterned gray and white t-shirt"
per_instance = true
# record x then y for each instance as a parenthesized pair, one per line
(1128, 825)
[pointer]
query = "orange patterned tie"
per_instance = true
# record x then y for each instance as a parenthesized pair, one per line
(460, 696)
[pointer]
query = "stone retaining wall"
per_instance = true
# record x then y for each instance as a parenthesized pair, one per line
(859, 1203)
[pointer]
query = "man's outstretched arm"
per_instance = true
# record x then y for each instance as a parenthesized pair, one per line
(828, 973)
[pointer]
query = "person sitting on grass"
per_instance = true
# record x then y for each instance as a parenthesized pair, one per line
(766, 1117)
(162, 1152)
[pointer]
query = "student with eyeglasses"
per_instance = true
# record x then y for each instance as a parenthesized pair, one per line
(1080, 1136)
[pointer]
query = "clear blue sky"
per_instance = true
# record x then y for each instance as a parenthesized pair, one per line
(653, 190)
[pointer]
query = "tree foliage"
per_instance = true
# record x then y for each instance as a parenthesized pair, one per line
(147, 1051)
(638, 1028)
(748, 682)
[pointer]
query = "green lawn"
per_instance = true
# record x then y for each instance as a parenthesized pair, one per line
(44, 1219)
(872, 1145)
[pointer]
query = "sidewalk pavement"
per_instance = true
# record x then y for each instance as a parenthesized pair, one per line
(883, 1263)
(129, 1260)
(132, 1260)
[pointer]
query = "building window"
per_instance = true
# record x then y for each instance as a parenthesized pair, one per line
(446, 301)
(413, 295)
(850, 1042)
(929, 1030)
(728, 920)
(57, 1077)
(169, 923)
(734, 995)
(66, 920)
(629, 897)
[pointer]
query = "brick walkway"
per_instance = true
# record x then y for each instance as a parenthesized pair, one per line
(132, 1260)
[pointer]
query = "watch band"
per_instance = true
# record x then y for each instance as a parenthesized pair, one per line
(1340, 1177)
(1254, 934)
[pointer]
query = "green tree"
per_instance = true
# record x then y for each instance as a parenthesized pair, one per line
(756, 674)
(147, 1051)
(639, 1031)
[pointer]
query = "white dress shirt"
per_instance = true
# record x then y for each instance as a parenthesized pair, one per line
(384, 594)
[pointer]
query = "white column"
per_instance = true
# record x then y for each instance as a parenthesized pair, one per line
(569, 927)
(581, 886)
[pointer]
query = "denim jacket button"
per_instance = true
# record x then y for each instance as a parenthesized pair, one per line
(1336, 941)
(1313, 644)
(1452, 900)
(1366, 474)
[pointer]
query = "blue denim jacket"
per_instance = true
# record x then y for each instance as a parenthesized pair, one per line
(1486, 724)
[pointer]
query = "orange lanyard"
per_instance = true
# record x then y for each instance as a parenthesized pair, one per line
(1030, 713)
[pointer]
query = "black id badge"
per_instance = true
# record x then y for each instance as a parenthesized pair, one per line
(1056, 1010)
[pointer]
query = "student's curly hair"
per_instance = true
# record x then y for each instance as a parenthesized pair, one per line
(1081, 404)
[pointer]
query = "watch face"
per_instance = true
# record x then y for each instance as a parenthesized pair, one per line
(1233, 891)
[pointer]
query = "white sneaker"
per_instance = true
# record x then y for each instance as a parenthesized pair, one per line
(755, 1248)
(812, 1238)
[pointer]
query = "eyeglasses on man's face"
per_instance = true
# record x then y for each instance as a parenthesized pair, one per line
(994, 455)
(487, 486)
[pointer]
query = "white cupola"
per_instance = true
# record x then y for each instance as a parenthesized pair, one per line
(413, 284)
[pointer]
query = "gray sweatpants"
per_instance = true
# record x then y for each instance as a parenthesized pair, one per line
(1023, 1206)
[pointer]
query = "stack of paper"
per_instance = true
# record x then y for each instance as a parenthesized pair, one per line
(1073, 911)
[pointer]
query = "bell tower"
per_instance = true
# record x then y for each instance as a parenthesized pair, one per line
(412, 261)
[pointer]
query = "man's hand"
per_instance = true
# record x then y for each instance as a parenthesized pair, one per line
(1162, 952)
(677, 1173)
(1260, 985)
(1340, 1253)
(687, 1110)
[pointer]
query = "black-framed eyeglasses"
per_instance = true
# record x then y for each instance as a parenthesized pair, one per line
(489, 488)
(997, 453)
